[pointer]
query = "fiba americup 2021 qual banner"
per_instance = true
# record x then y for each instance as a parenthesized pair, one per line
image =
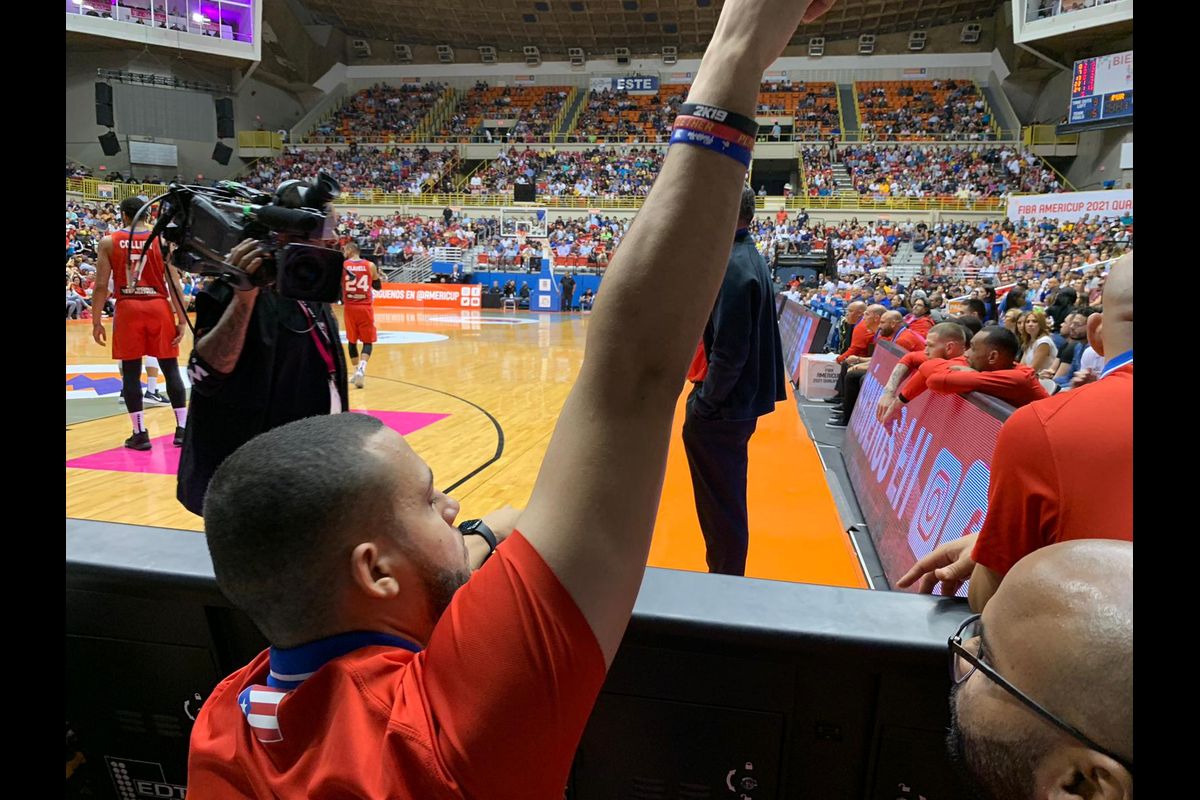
(922, 479)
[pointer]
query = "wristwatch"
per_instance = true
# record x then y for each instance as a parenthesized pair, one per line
(477, 527)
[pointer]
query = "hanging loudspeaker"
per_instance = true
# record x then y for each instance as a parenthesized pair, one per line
(109, 144)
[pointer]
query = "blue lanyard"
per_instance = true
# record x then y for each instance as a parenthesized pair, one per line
(1117, 362)
(290, 667)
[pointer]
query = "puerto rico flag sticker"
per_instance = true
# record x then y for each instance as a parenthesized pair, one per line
(260, 704)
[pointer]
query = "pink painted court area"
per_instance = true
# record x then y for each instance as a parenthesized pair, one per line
(163, 458)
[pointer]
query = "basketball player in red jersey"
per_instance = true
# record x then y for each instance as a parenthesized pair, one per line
(151, 321)
(359, 280)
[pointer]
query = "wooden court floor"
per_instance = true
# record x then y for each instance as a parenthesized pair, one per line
(477, 395)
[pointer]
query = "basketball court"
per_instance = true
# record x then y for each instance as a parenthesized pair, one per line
(477, 395)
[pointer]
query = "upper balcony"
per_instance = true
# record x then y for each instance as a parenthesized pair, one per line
(217, 27)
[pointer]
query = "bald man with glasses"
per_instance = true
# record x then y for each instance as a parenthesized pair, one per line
(1042, 704)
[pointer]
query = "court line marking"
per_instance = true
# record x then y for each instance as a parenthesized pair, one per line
(495, 424)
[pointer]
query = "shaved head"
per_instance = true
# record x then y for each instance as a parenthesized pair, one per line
(1059, 629)
(889, 321)
(1111, 332)
(854, 311)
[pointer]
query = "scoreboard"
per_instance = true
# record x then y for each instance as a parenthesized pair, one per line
(1102, 88)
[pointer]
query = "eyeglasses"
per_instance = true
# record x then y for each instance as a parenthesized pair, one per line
(965, 659)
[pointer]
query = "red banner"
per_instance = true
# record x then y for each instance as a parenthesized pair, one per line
(429, 295)
(922, 479)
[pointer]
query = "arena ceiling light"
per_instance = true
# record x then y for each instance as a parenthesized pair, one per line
(970, 33)
(576, 55)
(403, 53)
(533, 56)
(360, 48)
(866, 44)
(445, 53)
(816, 46)
(622, 55)
(916, 40)
(487, 54)
(670, 54)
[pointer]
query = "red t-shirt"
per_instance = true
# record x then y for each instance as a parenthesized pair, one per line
(1062, 470)
(907, 340)
(493, 707)
(860, 342)
(356, 282)
(923, 367)
(921, 326)
(1017, 386)
(152, 281)
(699, 367)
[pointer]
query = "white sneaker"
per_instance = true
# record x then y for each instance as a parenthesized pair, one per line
(358, 379)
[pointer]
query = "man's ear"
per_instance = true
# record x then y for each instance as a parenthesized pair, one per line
(1095, 328)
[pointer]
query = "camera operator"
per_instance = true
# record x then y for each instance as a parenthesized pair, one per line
(260, 360)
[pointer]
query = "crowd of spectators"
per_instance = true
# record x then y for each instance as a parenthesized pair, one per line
(813, 105)
(965, 172)
(958, 250)
(904, 171)
(381, 113)
(924, 110)
(533, 108)
(618, 116)
(396, 239)
(590, 173)
(361, 169)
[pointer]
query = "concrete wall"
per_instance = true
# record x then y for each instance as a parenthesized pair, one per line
(278, 109)
(1099, 159)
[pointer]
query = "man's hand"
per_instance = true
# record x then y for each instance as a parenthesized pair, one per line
(180, 327)
(1084, 377)
(98, 333)
(950, 563)
(888, 404)
(246, 256)
(1046, 373)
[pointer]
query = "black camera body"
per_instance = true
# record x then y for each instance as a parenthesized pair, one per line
(206, 223)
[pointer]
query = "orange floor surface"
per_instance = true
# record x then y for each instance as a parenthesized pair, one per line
(795, 533)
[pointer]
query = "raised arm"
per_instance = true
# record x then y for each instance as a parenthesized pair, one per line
(221, 347)
(592, 510)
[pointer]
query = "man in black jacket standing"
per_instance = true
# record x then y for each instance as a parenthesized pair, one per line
(743, 382)
(568, 291)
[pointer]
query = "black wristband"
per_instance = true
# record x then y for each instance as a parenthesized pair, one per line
(730, 118)
(477, 527)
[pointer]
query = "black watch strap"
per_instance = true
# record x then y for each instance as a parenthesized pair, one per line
(477, 527)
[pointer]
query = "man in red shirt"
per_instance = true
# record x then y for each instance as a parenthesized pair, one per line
(402, 665)
(990, 369)
(147, 319)
(1062, 468)
(862, 337)
(359, 278)
(891, 329)
(944, 346)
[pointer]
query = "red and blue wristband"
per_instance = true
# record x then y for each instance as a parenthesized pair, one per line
(712, 141)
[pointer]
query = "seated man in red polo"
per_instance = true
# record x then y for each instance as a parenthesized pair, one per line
(891, 329)
(945, 347)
